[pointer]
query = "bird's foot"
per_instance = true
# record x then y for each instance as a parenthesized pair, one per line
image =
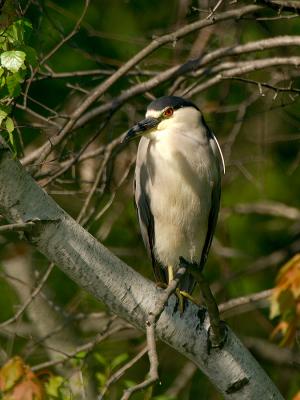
(188, 296)
(182, 297)
(181, 301)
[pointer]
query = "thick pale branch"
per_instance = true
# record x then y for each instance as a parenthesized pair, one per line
(231, 369)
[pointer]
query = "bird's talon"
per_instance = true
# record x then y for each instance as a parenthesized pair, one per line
(182, 297)
(180, 301)
(188, 296)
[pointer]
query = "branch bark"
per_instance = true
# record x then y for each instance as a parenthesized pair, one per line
(232, 369)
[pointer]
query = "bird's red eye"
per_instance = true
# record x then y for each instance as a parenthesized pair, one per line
(168, 112)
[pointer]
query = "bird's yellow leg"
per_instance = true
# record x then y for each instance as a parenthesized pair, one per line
(180, 300)
(170, 273)
(177, 292)
(181, 294)
(185, 294)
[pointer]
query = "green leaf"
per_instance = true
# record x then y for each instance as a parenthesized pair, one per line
(53, 385)
(2, 41)
(3, 81)
(18, 32)
(31, 55)
(13, 84)
(102, 378)
(25, 27)
(9, 125)
(1, 71)
(81, 355)
(119, 360)
(101, 360)
(13, 60)
(148, 393)
(3, 114)
(129, 383)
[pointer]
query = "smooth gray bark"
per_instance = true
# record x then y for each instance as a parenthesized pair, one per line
(231, 369)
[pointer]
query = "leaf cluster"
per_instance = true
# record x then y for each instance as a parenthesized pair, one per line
(285, 302)
(16, 59)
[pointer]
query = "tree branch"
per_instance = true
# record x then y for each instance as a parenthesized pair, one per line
(232, 369)
(282, 5)
(41, 153)
(150, 331)
(188, 67)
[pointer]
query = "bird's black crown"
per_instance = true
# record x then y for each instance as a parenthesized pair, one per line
(170, 101)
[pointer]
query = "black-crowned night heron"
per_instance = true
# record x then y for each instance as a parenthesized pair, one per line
(177, 186)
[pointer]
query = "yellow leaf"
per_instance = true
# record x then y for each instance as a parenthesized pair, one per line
(10, 373)
(18, 382)
(297, 396)
(285, 302)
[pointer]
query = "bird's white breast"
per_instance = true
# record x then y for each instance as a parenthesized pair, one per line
(182, 172)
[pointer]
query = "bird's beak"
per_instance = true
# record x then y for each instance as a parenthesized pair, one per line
(140, 128)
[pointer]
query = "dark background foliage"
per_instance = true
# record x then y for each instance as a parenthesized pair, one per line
(257, 127)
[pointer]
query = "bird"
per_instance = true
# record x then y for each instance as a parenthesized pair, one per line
(177, 187)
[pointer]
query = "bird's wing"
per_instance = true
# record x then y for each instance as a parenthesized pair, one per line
(215, 198)
(142, 202)
(217, 150)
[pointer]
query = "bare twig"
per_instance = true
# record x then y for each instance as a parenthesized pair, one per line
(30, 299)
(273, 259)
(150, 331)
(271, 352)
(228, 70)
(282, 5)
(22, 226)
(41, 153)
(100, 172)
(191, 65)
(274, 209)
(68, 164)
(182, 379)
(55, 49)
(241, 112)
(37, 115)
(210, 15)
(117, 375)
(245, 303)
(276, 89)
(87, 347)
(92, 72)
